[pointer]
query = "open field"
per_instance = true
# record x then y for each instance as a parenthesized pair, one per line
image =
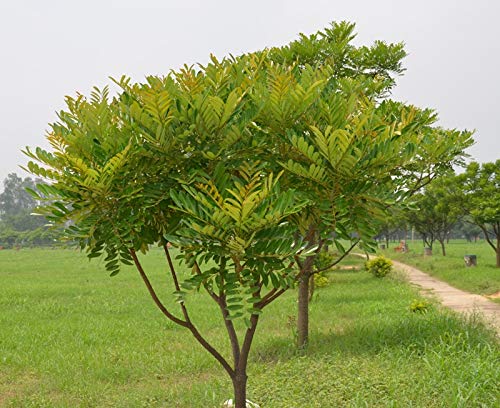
(70, 336)
(483, 279)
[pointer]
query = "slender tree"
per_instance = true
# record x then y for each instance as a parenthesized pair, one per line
(477, 193)
(435, 213)
(353, 151)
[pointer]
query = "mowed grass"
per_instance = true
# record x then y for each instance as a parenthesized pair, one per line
(484, 279)
(70, 336)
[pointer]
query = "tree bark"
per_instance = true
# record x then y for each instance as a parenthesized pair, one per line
(303, 309)
(303, 295)
(443, 250)
(496, 231)
(312, 286)
(240, 389)
(498, 252)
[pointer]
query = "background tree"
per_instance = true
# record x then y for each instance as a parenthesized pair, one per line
(394, 226)
(351, 169)
(14, 198)
(435, 213)
(477, 192)
(16, 207)
(465, 228)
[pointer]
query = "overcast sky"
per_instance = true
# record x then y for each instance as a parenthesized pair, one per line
(52, 48)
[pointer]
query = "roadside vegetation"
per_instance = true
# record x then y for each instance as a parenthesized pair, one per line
(71, 336)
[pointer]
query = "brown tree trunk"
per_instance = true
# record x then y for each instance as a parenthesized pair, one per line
(303, 310)
(311, 287)
(240, 389)
(498, 252)
(303, 295)
(443, 250)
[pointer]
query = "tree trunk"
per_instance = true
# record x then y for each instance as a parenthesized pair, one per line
(303, 295)
(311, 288)
(303, 311)
(498, 252)
(240, 389)
(443, 250)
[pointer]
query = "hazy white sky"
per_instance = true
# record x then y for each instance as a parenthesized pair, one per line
(53, 48)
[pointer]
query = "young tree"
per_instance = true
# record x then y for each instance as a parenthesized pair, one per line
(247, 165)
(341, 150)
(168, 162)
(477, 192)
(435, 213)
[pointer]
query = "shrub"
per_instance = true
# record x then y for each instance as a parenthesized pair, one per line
(320, 280)
(379, 266)
(323, 259)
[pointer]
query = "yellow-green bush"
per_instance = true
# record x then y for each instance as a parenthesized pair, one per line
(379, 266)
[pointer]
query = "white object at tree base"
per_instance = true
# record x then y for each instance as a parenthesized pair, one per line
(230, 404)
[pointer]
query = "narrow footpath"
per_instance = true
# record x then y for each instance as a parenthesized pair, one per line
(456, 299)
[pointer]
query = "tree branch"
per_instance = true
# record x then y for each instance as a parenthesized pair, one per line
(231, 331)
(210, 291)
(487, 236)
(176, 282)
(270, 297)
(152, 292)
(338, 260)
(188, 324)
(245, 349)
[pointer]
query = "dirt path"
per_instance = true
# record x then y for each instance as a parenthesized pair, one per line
(455, 299)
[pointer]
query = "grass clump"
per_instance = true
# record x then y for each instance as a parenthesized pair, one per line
(420, 306)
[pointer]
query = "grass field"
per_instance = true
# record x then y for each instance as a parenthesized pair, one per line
(70, 336)
(483, 279)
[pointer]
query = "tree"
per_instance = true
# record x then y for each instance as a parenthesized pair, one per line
(394, 226)
(246, 165)
(133, 172)
(16, 205)
(14, 199)
(477, 192)
(435, 213)
(465, 228)
(352, 169)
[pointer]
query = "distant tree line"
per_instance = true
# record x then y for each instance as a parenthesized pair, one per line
(18, 225)
(466, 206)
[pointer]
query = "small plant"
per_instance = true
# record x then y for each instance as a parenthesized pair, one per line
(379, 266)
(323, 259)
(320, 280)
(420, 306)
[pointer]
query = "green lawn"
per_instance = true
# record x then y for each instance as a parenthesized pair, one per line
(483, 279)
(70, 336)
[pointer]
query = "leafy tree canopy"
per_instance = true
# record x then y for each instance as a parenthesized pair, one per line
(477, 192)
(247, 163)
